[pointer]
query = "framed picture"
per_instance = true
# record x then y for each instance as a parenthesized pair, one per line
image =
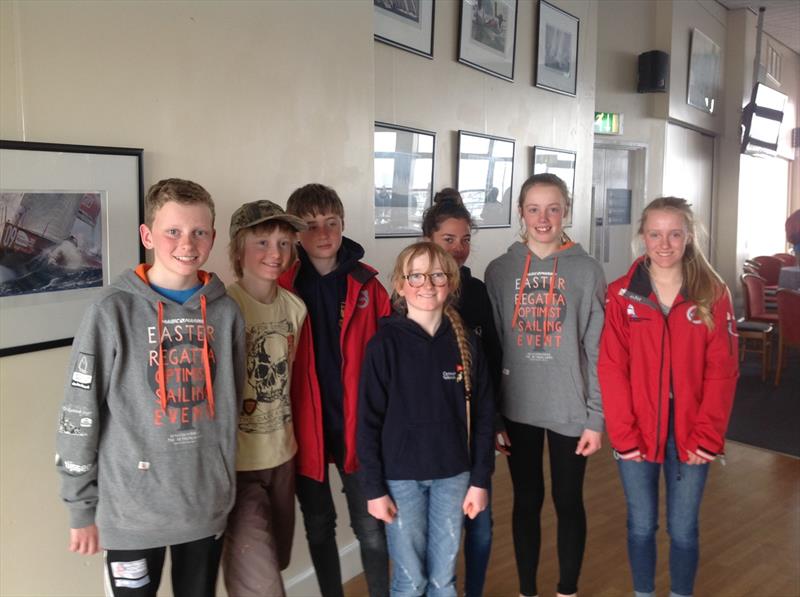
(704, 61)
(557, 50)
(485, 175)
(403, 179)
(560, 162)
(405, 24)
(487, 36)
(69, 218)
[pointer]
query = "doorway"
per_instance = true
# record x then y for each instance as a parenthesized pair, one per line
(618, 192)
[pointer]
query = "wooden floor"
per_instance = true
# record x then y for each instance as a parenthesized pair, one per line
(750, 532)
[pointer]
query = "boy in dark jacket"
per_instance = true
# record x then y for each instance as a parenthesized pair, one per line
(345, 301)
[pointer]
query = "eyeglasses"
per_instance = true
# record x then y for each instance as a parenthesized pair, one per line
(417, 280)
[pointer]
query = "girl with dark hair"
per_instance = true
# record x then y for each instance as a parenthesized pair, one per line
(424, 424)
(448, 224)
(668, 367)
(547, 295)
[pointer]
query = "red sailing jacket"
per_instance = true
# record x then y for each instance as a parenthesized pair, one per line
(366, 302)
(643, 353)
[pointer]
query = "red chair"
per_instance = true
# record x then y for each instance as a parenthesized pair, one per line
(754, 304)
(769, 268)
(788, 325)
(787, 259)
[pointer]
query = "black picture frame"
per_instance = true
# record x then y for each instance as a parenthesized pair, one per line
(562, 163)
(404, 166)
(486, 177)
(397, 24)
(557, 46)
(483, 36)
(32, 320)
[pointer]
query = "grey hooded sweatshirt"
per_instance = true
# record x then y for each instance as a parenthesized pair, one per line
(152, 467)
(549, 315)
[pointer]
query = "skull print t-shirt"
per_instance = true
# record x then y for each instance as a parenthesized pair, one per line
(265, 435)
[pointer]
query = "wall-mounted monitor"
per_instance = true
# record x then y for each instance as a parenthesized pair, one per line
(761, 120)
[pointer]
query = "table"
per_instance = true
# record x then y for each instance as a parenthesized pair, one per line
(789, 277)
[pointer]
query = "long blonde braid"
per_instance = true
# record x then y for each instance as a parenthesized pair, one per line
(466, 361)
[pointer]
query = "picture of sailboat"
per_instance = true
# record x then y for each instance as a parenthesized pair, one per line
(50, 241)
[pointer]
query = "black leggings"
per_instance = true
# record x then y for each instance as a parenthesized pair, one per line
(566, 473)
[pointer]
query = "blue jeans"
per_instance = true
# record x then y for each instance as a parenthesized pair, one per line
(685, 485)
(424, 537)
(477, 549)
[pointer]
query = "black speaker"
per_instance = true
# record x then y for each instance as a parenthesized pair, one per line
(653, 72)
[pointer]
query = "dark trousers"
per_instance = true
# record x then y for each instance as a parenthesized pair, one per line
(566, 473)
(319, 517)
(137, 572)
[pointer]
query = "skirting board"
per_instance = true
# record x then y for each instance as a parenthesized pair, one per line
(305, 584)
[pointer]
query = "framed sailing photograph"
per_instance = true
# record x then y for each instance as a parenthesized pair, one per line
(557, 50)
(404, 160)
(69, 218)
(405, 24)
(485, 177)
(487, 36)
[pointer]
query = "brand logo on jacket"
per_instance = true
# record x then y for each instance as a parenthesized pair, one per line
(691, 315)
(363, 299)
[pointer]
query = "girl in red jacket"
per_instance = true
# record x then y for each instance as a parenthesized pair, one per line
(668, 366)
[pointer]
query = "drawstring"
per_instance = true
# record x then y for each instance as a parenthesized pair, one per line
(550, 294)
(162, 384)
(518, 300)
(161, 375)
(206, 362)
(548, 303)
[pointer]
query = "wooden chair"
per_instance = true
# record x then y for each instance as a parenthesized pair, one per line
(755, 308)
(788, 325)
(755, 336)
(787, 259)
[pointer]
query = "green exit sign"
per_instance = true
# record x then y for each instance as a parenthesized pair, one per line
(607, 123)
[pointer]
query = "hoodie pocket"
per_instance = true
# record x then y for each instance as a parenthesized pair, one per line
(427, 446)
(176, 487)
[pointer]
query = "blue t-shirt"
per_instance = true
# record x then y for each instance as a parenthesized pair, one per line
(179, 296)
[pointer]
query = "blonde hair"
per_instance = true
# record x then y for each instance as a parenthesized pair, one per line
(236, 244)
(449, 266)
(178, 190)
(702, 283)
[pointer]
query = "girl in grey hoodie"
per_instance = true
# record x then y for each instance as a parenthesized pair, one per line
(547, 295)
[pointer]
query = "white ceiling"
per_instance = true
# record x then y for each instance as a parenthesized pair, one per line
(781, 18)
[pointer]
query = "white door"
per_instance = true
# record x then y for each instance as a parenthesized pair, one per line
(617, 197)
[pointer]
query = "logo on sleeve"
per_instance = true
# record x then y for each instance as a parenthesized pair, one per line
(83, 374)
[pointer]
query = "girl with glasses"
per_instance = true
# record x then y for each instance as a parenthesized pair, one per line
(424, 424)
(449, 224)
(547, 294)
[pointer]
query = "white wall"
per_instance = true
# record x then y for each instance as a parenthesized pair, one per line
(251, 99)
(445, 96)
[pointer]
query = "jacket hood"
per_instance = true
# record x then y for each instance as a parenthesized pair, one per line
(346, 258)
(571, 249)
(136, 282)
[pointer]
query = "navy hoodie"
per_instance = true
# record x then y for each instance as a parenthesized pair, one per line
(412, 421)
(324, 297)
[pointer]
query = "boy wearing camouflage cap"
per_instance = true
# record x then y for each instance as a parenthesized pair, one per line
(258, 540)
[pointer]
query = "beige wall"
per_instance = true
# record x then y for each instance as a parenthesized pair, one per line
(444, 96)
(251, 99)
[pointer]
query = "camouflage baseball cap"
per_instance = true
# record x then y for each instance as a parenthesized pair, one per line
(258, 212)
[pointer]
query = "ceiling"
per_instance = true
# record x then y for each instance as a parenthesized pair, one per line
(781, 18)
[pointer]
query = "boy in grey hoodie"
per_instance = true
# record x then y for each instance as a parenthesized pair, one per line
(147, 433)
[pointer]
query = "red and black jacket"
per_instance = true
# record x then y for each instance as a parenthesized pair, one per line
(366, 301)
(644, 354)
